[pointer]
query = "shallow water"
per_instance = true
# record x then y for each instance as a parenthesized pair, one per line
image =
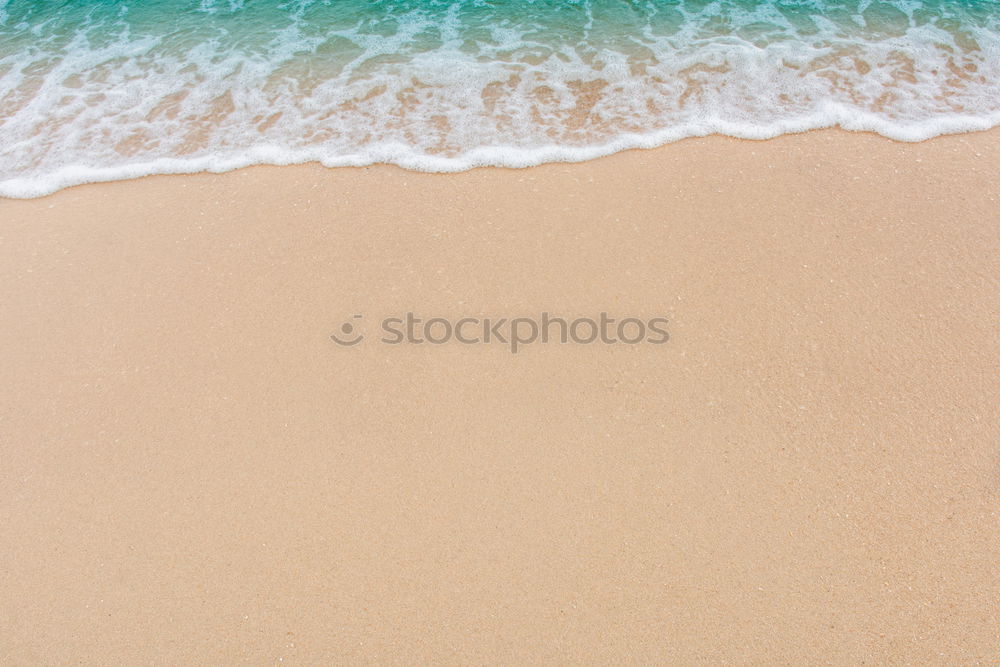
(107, 90)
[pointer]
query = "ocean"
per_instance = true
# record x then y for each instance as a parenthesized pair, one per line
(97, 90)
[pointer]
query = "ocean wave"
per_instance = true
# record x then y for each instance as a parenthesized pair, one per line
(96, 92)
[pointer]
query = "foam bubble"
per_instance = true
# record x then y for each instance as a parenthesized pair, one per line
(98, 94)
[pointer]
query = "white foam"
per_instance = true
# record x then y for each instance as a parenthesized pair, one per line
(493, 156)
(75, 111)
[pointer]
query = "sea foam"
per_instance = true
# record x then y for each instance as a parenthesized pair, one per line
(111, 91)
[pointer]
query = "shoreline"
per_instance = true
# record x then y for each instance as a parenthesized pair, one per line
(807, 470)
(487, 157)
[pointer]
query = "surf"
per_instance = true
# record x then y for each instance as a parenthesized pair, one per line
(106, 91)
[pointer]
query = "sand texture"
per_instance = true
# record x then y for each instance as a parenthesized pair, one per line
(193, 472)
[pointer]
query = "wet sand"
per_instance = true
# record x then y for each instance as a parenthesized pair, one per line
(807, 471)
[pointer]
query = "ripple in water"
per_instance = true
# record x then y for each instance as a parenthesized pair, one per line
(106, 90)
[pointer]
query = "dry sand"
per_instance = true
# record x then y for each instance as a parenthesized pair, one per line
(809, 471)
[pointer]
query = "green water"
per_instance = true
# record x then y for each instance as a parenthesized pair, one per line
(93, 89)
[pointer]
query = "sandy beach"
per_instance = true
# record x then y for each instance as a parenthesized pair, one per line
(808, 471)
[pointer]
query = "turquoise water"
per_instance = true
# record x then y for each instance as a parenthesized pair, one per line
(104, 90)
